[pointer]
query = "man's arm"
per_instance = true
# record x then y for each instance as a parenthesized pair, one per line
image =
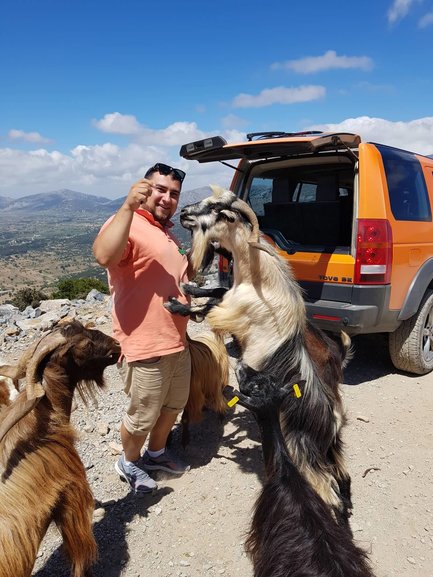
(110, 244)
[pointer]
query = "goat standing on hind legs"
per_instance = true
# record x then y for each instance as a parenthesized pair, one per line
(265, 312)
(43, 478)
(293, 531)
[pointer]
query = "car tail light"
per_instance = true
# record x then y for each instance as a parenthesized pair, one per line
(373, 259)
(224, 271)
(223, 264)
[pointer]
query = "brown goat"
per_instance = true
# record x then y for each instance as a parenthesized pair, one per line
(43, 478)
(209, 377)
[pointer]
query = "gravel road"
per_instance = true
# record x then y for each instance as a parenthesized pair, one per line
(195, 525)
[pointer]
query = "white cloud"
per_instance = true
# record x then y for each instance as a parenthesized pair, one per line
(327, 61)
(109, 169)
(415, 135)
(426, 20)
(232, 121)
(174, 135)
(116, 123)
(33, 137)
(234, 135)
(279, 95)
(400, 9)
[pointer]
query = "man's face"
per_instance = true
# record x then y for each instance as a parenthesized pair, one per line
(163, 201)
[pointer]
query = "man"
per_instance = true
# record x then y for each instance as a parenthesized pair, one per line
(145, 267)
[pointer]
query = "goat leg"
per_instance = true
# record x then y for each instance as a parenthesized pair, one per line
(74, 520)
(197, 313)
(196, 291)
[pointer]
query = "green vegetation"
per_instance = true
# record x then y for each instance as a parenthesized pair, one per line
(78, 288)
(26, 297)
(71, 288)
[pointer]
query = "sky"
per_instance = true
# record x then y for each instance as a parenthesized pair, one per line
(93, 92)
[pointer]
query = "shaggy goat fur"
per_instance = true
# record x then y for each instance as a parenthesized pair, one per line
(265, 312)
(293, 531)
(43, 478)
(209, 377)
(6, 391)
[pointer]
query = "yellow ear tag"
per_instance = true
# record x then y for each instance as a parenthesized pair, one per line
(297, 391)
(233, 401)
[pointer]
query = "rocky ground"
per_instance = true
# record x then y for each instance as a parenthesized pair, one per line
(195, 525)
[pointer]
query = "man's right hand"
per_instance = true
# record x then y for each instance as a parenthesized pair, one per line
(138, 194)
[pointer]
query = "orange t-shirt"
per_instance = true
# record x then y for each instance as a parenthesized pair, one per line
(148, 274)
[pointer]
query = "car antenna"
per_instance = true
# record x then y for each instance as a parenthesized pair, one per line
(337, 140)
(231, 166)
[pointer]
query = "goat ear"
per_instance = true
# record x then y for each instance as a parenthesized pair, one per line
(14, 413)
(14, 372)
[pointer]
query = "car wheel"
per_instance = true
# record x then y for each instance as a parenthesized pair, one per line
(411, 345)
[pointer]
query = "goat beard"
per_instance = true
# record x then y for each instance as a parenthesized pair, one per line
(203, 253)
(87, 391)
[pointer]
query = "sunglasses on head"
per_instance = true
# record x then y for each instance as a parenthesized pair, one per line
(166, 170)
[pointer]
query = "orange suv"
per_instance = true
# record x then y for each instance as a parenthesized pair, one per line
(354, 220)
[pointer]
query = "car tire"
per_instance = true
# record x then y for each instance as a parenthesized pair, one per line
(411, 345)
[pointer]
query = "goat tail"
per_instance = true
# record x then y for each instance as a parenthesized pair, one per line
(345, 348)
(209, 375)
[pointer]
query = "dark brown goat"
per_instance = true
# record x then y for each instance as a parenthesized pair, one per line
(293, 532)
(43, 478)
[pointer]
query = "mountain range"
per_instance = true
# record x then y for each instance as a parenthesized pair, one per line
(71, 201)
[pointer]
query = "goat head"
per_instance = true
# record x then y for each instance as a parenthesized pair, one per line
(81, 353)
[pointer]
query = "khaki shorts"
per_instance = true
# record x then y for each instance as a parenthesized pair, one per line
(153, 386)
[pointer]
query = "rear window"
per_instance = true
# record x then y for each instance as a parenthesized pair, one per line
(300, 186)
(308, 205)
(407, 189)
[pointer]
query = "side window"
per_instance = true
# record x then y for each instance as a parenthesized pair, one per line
(260, 194)
(305, 192)
(408, 194)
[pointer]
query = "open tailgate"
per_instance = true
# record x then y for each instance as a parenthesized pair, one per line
(216, 148)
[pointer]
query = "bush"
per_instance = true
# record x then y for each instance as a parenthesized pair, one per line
(28, 297)
(78, 288)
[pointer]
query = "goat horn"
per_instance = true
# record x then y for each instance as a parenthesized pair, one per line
(216, 190)
(15, 413)
(263, 247)
(252, 217)
(241, 205)
(46, 345)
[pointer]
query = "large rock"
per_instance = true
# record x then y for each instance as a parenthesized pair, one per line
(54, 304)
(42, 323)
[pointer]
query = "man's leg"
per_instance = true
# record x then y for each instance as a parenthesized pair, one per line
(157, 457)
(132, 444)
(143, 387)
(161, 430)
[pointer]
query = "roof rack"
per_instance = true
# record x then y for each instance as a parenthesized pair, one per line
(262, 135)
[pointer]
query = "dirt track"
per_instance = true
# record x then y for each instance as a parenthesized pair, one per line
(195, 525)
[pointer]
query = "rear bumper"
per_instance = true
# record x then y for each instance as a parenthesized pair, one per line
(355, 309)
